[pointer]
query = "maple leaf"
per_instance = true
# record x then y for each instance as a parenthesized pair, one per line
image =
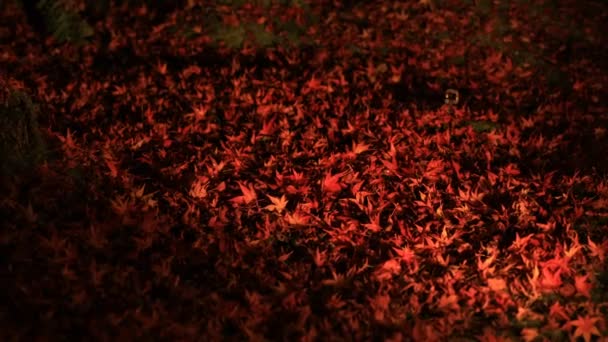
(312, 84)
(596, 250)
(111, 164)
(448, 302)
(119, 90)
(248, 196)
(121, 205)
(268, 128)
(380, 303)
(198, 189)
(331, 184)
(578, 85)
(551, 280)
(557, 311)
(149, 114)
(198, 113)
(334, 302)
(585, 327)
(434, 168)
(374, 224)
(278, 204)
(297, 219)
(215, 167)
(484, 266)
(406, 254)
(359, 148)
(388, 269)
(511, 169)
(67, 141)
(520, 242)
(582, 286)
(529, 334)
(319, 257)
(337, 279)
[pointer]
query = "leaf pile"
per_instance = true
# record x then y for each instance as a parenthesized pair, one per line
(288, 170)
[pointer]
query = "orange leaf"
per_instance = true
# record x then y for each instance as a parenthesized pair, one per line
(529, 334)
(278, 204)
(297, 219)
(388, 269)
(585, 327)
(359, 147)
(249, 194)
(198, 189)
(596, 250)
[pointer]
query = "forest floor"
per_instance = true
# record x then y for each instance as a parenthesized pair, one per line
(294, 172)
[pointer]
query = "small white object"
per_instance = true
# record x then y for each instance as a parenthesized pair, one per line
(452, 96)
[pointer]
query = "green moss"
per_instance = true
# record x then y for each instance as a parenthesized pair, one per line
(232, 36)
(262, 37)
(482, 126)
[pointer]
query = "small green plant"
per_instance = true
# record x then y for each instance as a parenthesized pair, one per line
(21, 144)
(482, 126)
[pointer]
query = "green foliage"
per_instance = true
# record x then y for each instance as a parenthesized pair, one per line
(21, 144)
(484, 7)
(232, 36)
(65, 24)
(265, 3)
(482, 126)
(289, 32)
(262, 37)
(235, 36)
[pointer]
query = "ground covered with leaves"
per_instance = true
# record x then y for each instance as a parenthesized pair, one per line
(287, 170)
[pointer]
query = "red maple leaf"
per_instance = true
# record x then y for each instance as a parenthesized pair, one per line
(111, 164)
(551, 279)
(331, 184)
(582, 285)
